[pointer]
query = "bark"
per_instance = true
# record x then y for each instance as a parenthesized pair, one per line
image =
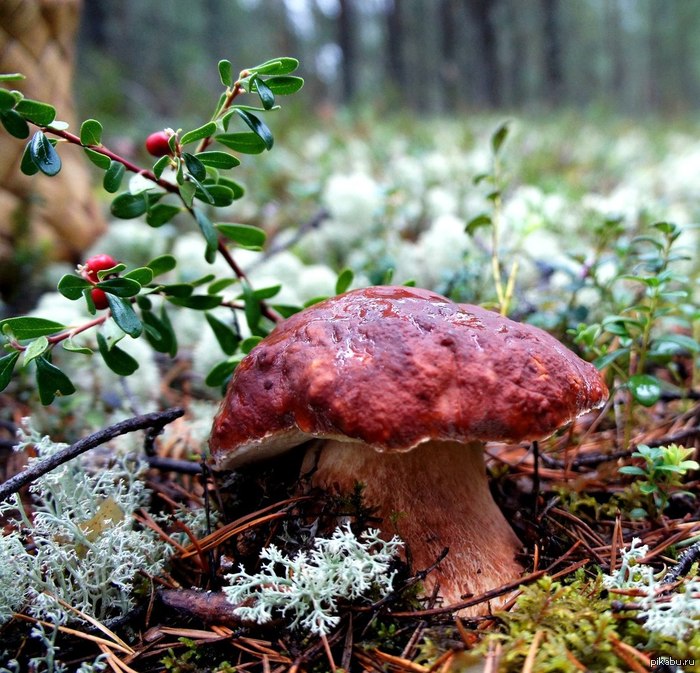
(449, 70)
(552, 52)
(481, 13)
(346, 41)
(394, 45)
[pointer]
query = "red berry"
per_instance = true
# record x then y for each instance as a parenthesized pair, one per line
(99, 298)
(157, 144)
(97, 263)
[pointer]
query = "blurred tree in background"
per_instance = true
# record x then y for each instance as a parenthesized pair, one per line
(436, 56)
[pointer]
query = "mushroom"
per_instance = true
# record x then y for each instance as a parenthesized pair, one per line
(404, 387)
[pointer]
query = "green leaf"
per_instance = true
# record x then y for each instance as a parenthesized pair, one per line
(168, 328)
(220, 160)
(264, 292)
(11, 76)
(284, 86)
(126, 206)
(257, 126)
(668, 228)
(161, 165)
(276, 66)
(15, 124)
(113, 177)
(221, 284)
(226, 73)
(161, 213)
(632, 469)
(645, 389)
(71, 287)
(232, 185)
(216, 194)
(44, 155)
(199, 133)
(177, 290)
(608, 358)
(24, 327)
(345, 278)
(248, 344)
(162, 264)
(227, 337)
(91, 132)
(499, 136)
(220, 372)
(7, 366)
(100, 160)
(51, 381)
(143, 275)
(187, 192)
(245, 235)
(194, 166)
(124, 315)
(35, 349)
(74, 348)
(285, 310)
(27, 165)
(159, 333)
(210, 235)
(252, 309)
(198, 302)
(246, 143)
(41, 114)
(676, 343)
(118, 360)
(267, 98)
(482, 220)
(121, 287)
(8, 100)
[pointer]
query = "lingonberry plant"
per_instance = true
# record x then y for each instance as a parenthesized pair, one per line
(650, 324)
(190, 176)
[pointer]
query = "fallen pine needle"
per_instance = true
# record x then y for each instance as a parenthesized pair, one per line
(528, 665)
(80, 634)
(115, 663)
(98, 625)
(406, 664)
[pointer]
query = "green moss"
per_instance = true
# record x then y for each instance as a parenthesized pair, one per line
(572, 623)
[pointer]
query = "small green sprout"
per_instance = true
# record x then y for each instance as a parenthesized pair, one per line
(662, 472)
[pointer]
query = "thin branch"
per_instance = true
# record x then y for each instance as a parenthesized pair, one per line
(40, 467)
(594, 459)
(174, 465)
(685, 562)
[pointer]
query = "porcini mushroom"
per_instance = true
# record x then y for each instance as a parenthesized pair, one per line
(404, 387)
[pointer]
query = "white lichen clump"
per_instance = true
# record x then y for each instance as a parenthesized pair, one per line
(673, 617)
(309, 587)
(85, 551)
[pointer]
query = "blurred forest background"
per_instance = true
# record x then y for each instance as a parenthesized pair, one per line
(429, 56)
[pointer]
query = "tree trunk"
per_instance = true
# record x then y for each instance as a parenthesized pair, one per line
(551, 45)
(616, 56)
(449, 69)
(394, 45)
(346, 41)
(481, 12)
(42, 217)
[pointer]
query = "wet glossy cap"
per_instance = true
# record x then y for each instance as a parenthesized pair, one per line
(394, 367)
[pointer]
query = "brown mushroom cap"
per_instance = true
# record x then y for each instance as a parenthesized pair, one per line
(394, 367)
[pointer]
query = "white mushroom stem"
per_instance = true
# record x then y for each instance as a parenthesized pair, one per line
(434, 496)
